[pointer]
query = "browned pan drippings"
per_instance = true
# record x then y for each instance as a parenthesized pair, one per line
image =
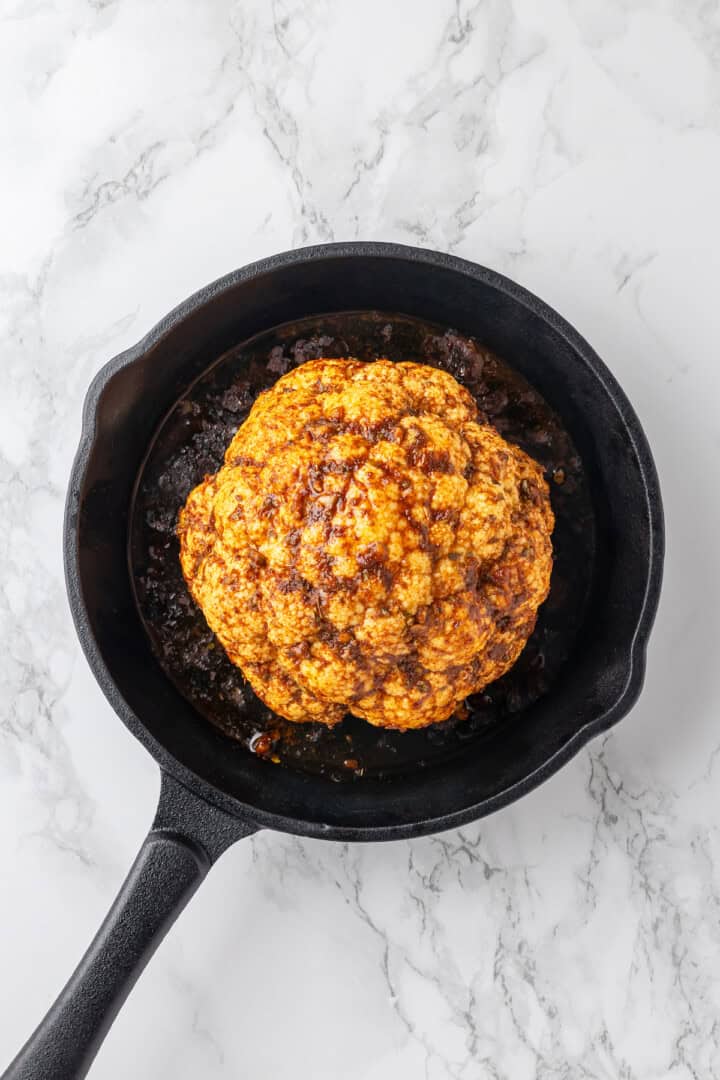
(191, 444)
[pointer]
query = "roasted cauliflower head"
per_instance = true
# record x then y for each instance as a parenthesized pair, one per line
(368, 545)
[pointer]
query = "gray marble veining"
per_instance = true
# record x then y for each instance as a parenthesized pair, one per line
(575, 145)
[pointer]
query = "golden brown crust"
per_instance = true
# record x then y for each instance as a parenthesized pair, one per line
(368, 545)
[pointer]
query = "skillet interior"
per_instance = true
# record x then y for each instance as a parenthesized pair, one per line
(125, 407)
(191, 442)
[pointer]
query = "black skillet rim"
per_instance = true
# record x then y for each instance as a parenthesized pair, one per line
(636, 438)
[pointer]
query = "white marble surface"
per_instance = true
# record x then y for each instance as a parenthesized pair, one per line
(146, 148)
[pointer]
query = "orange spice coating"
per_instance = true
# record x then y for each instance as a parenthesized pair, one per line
(368, 545)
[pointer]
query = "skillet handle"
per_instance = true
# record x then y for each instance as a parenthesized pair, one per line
(187, 836)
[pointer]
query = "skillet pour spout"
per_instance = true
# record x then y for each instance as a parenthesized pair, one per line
(213, 791)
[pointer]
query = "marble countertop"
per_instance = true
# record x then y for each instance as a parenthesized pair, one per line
(573, 145)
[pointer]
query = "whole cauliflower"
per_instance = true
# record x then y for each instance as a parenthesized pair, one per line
(368, 545)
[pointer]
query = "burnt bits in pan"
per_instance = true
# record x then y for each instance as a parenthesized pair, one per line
(191, 443)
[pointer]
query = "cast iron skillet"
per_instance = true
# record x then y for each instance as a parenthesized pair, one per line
(210, 798)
